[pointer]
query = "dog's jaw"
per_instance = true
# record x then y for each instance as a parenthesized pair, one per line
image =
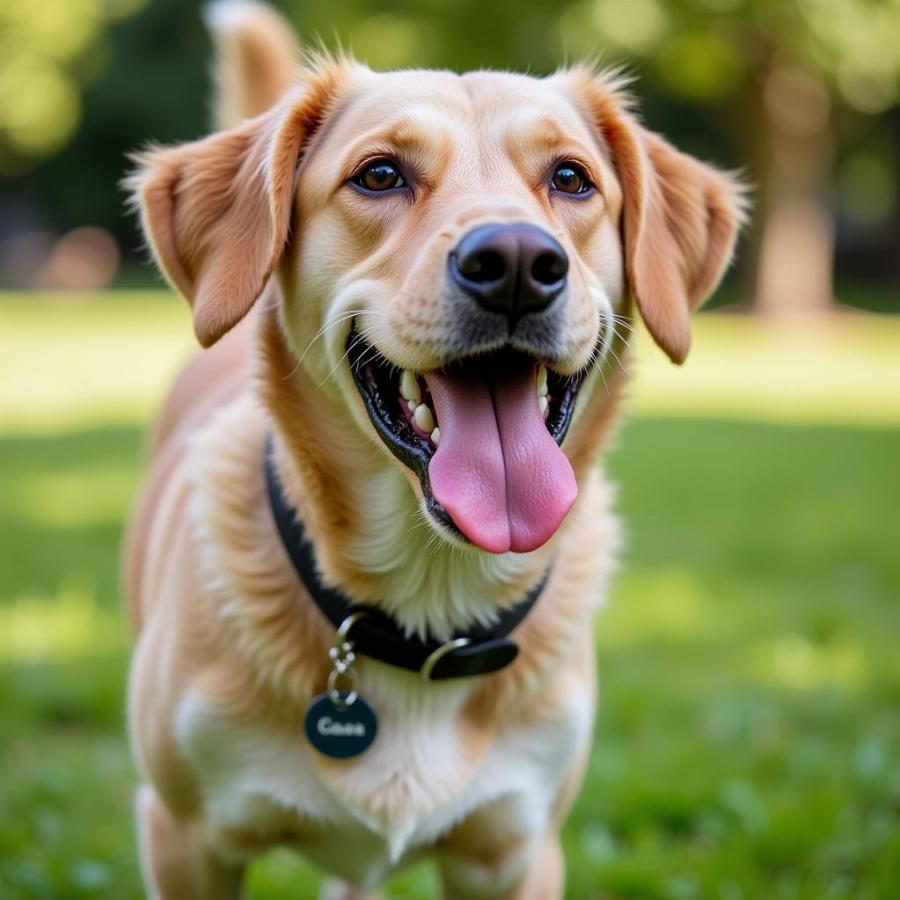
(494, 475)
(365, 512)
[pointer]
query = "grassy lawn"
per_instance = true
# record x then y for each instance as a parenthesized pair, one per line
(748, 742)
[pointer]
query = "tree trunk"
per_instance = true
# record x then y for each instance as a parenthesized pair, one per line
(794, 251)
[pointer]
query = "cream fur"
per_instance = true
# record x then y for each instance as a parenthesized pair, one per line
(477, 774)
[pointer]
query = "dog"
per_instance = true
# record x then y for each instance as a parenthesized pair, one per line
(364, 568)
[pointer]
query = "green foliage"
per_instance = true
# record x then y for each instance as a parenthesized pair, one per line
(84, 83)
(747, 744)
(706, 50)
(46, 50)
(147, 82)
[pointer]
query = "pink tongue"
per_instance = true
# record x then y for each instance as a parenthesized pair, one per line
(497, 472)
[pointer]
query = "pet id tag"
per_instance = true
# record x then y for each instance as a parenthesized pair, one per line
(341, 729)
(339, 723)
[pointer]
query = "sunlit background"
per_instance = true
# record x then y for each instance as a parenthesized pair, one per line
(748, 742)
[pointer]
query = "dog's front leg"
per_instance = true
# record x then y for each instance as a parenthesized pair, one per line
(520, 869)
(176, 860)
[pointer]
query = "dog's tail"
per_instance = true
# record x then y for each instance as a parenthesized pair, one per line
(256, 57)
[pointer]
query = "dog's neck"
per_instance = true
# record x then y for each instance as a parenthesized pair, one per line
(369, 532)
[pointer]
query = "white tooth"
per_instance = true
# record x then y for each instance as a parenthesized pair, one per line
(412, 404)
(543, 404)
(542, 381)
(424, 418)
(436, 436)
(409, 387)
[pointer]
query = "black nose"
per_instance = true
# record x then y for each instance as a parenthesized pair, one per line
(510, 269)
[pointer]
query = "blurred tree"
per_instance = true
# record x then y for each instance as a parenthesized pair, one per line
(780, 86)
(141, 76)
(791, 77)
(47, 50)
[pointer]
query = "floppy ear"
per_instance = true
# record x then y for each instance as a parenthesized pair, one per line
(217, 212)
(680, 219)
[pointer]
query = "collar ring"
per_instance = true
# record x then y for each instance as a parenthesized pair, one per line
(437, 655)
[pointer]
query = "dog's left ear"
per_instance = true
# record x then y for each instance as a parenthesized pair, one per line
(217, 212)
(680, 216)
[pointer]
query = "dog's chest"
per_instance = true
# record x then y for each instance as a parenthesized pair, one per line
(423, 775)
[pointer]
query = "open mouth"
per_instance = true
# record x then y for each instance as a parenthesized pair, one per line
(483, 435)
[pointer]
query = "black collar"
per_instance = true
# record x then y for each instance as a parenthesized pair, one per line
(475, 652)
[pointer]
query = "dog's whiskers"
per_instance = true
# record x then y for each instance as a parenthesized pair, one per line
(347, 315)
(332, 323)
(624, 321)
(354, 343)
(615, 356)
(362, 361)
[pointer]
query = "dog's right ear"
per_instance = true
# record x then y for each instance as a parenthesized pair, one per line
(217, 212)
(680, 216)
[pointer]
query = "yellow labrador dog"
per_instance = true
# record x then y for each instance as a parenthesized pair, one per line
(364, 569)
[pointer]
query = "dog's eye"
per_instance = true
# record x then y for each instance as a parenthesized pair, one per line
(381, 175)
(569, 178)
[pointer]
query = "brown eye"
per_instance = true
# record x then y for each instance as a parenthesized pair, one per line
(381, 175)
(570, 179)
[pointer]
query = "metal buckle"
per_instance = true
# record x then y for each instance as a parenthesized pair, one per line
(342, 658)
(437, 655)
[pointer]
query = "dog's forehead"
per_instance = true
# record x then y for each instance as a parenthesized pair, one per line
(497, 104)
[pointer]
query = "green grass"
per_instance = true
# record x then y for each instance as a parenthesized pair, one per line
(748, 742)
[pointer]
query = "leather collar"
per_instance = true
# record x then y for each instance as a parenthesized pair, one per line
(478, 651)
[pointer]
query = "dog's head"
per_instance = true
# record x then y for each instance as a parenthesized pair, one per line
(454, 254)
